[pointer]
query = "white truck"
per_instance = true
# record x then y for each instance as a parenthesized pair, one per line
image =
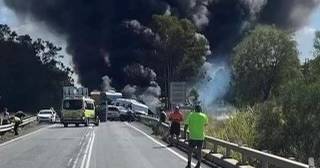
(137, 107)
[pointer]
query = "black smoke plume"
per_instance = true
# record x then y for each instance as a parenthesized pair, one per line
(105, 36)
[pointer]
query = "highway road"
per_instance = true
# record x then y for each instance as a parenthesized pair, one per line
(112, 144)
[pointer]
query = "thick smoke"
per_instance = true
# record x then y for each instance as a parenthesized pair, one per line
(215, 82)
(106, 83)
(148, 95)
(288, 14)
(137, 74)
(106, 36)
(142, 85)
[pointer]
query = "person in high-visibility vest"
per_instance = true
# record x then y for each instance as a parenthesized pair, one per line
(196, 123)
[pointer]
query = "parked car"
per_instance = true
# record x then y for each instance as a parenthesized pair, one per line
(47, 115)
(116, 112)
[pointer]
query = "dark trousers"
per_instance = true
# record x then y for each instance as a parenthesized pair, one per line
(192, 145)
(15, 128)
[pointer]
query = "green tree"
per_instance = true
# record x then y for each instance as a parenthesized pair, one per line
(300, 111)
(31, 73)
(311, 68)
(316, 44)
(179, 50)
(262, 62)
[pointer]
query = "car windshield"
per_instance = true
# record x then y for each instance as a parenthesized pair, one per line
(45, 112)
(72, 104)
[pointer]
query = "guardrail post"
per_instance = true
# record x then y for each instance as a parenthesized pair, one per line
(228, 152)
(244, 158)
(215, 148)
(311, 162)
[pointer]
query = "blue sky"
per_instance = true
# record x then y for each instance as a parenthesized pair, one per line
(304, 36)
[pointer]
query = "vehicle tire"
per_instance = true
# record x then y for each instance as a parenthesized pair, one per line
(77, 125)
(97, 122)
(65, 124)
(122, 118)
(86, 122)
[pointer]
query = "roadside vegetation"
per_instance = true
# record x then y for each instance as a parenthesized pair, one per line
(277, 97)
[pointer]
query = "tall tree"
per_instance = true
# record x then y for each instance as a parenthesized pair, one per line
(31, 73)
(179, 50)
(262, 62)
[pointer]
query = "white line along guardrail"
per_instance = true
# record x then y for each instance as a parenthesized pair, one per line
(212, 144)
(8, 127)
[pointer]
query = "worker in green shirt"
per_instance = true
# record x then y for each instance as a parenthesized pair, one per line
(196, 123)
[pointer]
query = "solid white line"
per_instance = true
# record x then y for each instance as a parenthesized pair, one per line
(75, 162)
(161, 144)
(90, 151)
(84, 158)
(26, 135)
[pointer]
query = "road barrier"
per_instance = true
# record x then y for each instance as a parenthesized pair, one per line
(9, 127)
(222, 153)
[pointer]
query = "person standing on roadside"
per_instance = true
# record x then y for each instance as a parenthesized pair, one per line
(196, 123)
(176, 118)
(6, 116)
(16, 121)
(162, 119)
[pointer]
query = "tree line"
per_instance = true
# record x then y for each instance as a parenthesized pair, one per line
(31, 72)
(283, 95)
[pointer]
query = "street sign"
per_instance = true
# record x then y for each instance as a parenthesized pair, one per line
(178, 92)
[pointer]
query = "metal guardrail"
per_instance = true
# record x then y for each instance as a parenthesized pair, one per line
(264, 159)
(26, 121)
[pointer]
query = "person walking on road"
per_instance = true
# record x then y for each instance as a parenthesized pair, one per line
(176, 118)
(196, 123)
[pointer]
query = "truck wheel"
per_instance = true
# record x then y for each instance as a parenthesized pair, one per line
(97, 122)
(77, 125)
(65, 124)
(86, 122)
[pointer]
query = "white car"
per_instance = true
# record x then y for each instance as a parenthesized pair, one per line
(114, 112)
(47, 115)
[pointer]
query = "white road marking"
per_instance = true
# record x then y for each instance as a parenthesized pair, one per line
(82, 145)
(90, 151)
(69, 162)
(161, 144)
(26, 135)
(87, 153)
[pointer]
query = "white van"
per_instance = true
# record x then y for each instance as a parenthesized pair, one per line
(137, 107)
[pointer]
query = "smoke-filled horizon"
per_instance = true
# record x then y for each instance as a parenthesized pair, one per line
(106, 37)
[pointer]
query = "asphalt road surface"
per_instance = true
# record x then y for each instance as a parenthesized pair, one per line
(111, 145)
